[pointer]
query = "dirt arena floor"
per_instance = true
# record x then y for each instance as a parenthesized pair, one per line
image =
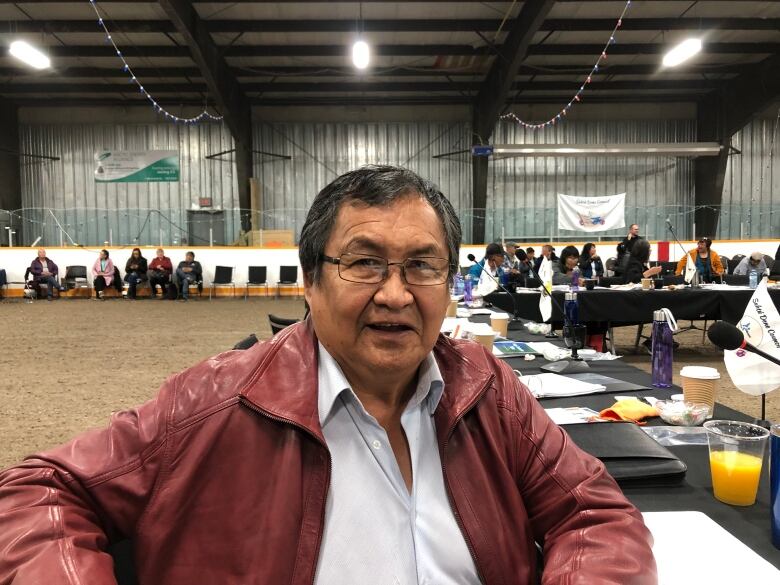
(65, 366)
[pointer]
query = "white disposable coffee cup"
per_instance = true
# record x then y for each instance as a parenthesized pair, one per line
(499, 322)
(485, 339)
(700, 384)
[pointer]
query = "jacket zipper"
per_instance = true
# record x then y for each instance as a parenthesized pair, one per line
(290, 422)
(454, 507)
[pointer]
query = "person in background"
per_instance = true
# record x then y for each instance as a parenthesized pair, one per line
(511, 261)
(775, 272)
(160, 270)
(45, 271)
(531, 254)
(707, 261)
(135, 271)
(548, 251)
(485, 280)
(590, 263)
(624, 248)
(753, 262)
(564, 268)
(188, 271)
(102, 273)
(373, 448)
(636, 269)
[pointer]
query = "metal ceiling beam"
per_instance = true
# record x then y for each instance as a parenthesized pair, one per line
(403, 50)
(352, 86)
(720, 115)
(395, 25)
(223, 87)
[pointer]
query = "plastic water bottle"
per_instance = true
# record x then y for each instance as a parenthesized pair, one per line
(662, 349)
(774, 483)
(467, 292)
(458, 287)
(753, 278)
(575, 278)
(571, 308)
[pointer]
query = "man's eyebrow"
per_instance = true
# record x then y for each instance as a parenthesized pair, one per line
(369, 246)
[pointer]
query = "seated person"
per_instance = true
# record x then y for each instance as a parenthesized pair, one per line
(510, 258)
(590, 263)
(531, 254)
(707, 261)
(753, 262)
(563, 270)
(775, 272)
(44, 271)
(624, 248)
(159, 273)
(299, 460)
(548, 251)
(135, 271)
(515, 265)
(485, 281)
(102, 274)
(188, 271)
(636, 269)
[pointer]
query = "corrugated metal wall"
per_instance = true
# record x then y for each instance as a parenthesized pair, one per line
(90, 211)
(522, 191)
(752, 183)
(321, 152)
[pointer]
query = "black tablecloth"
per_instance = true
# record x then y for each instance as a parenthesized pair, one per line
(637, 306)
(749, 524)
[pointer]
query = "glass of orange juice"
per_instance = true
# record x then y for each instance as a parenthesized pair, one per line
(736, 455)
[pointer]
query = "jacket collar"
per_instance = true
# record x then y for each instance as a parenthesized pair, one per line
(284, 382)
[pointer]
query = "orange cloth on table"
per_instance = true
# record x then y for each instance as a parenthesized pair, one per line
(631, 409)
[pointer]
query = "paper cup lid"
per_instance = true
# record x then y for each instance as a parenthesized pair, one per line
(499, 316)
(700, 372)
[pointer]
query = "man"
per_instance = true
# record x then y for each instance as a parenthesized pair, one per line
(486, 273)
(548, 252)
(44, 271)
(531, 254)
(511, 261)
(160, 270)
(624, 248)
(188, 271)
(753, 262)
(707, 261)
(359, 446)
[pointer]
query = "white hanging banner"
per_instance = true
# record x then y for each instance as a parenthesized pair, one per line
(591, 214)
(761, 326)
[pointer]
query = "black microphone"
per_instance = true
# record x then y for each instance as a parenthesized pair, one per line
(515, 323)
(727, 336)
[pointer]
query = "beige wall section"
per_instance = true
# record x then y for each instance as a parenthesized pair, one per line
(145, 115)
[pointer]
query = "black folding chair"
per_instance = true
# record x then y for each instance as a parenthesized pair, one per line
(288, 276)
(223, 276)
(258, 277)
(279, 323)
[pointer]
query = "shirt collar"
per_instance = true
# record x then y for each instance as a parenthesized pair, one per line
(332, 382)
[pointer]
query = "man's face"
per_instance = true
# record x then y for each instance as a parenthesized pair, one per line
(634, 230)
(702, 247)
(41, 253)
(389, 327)
(189, 257)
(511, 250)
(531, 255)
(546, 251)
(495, 261)
(160, 254)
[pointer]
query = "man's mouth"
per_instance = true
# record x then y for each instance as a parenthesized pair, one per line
(390, 327)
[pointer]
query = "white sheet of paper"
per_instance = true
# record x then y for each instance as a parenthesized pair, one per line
(690, 547)
(570, 416)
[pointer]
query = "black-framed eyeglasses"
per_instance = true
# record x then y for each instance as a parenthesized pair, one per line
(368, 269)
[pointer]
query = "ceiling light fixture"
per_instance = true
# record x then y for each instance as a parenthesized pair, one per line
(361, 54)
(29, 54)
(682, 52)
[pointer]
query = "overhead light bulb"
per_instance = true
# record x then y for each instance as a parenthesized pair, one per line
(360, 54)
(29, 54)
(682, 52)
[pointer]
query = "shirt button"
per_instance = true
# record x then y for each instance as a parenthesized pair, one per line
(376, 444)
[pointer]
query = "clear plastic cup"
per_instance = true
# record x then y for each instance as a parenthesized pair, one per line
(736, 456)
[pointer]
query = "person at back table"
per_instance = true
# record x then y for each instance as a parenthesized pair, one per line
(563, 270)
(358, 447)
(636, 269)
(135, 271)
(44, 271)
(531, 255)
(707, 261)
(624, 248)
(590, 263)
(102, 273)
(548, 252)
(753, 262)
(160, 270)
(188, 271)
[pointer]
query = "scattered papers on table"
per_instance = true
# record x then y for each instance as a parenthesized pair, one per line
(550, 385)
(572, 415)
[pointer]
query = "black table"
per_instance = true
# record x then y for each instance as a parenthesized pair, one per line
(748, 524)
(637, 306)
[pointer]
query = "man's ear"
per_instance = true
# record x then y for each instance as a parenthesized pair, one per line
(307, 287)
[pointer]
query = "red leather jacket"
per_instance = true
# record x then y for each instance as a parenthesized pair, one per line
(223, 477)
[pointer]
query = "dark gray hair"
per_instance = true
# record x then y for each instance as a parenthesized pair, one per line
(373, 185)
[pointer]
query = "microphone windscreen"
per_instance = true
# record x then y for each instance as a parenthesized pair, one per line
(472, 257)
(725, 335)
